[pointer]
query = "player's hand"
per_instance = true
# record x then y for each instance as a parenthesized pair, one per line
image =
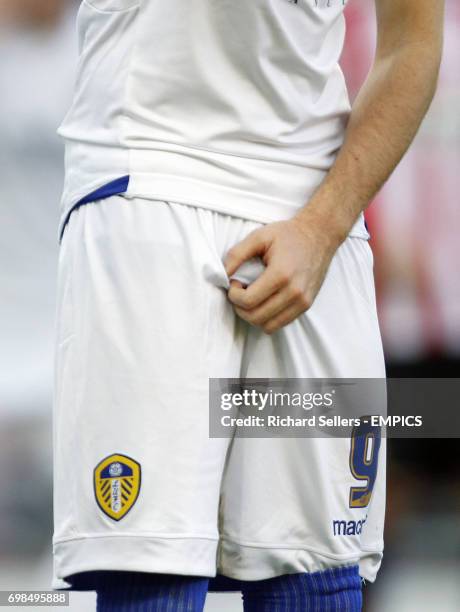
(297, 255)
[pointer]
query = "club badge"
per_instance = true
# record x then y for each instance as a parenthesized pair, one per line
(117, 482)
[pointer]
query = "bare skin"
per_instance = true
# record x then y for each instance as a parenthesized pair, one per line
(384, 120)
(31, 13)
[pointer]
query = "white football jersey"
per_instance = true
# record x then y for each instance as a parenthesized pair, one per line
(232, 105)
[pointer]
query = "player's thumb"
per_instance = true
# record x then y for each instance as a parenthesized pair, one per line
(251, 246)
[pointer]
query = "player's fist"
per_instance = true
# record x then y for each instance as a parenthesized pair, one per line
(297, 255)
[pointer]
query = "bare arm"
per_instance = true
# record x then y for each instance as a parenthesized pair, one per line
(384, 120)
(387, 112)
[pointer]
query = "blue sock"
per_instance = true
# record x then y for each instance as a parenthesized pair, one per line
(142, 592)
(332, 590)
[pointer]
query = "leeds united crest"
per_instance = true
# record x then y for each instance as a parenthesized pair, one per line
(117, 482)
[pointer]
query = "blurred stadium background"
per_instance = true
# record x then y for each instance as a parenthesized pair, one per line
(415, 226)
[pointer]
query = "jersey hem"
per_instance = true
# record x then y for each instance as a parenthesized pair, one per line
(261, 191)
(208, 197)
(222, 200)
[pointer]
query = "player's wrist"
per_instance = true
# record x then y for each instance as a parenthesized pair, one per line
(325, 219)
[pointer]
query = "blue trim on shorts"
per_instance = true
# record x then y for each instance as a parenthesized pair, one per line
(119, 185)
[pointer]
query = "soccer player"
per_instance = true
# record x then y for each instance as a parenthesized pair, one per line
(212, 226)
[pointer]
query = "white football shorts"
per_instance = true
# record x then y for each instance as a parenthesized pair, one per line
(143, 322)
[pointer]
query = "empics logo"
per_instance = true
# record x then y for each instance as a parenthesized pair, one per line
(117, 482)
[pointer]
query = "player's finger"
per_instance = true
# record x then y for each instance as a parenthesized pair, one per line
(236, 284)
(275, 305)
(286, 316)
(282, 319)
(268, 283)
(253, 245)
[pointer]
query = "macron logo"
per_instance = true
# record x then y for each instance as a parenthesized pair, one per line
(348, 528)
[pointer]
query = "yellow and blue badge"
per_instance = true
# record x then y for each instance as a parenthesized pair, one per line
(117, 482)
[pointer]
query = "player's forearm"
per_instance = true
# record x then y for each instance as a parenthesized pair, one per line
(384, 120)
